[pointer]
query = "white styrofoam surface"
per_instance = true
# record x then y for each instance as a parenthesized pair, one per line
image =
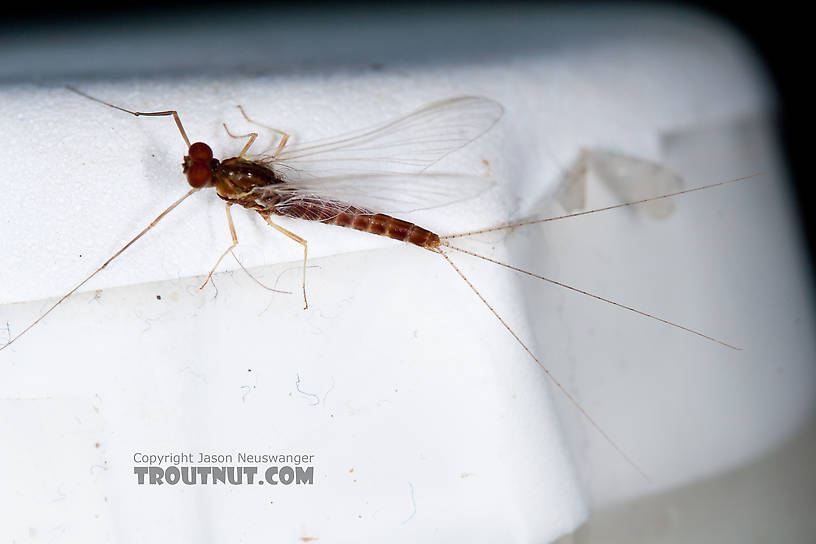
(421, 392)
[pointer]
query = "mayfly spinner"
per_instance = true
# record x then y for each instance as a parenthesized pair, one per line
(378, 170)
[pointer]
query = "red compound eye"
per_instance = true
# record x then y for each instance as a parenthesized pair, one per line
(200, 151)
(199, 175)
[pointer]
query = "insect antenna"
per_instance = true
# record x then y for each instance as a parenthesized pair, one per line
(104, 265)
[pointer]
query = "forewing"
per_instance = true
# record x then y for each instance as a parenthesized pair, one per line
(382, 193)
(409, 144)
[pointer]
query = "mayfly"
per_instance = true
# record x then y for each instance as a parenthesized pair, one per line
(376, 171)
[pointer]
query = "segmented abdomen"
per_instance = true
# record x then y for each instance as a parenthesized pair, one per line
(360, 219)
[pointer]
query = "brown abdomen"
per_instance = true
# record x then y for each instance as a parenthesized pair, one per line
(363, 220)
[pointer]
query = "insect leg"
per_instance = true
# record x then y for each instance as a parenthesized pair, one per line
(104, 265)
(284, 135)
(229, 249)
(139, 113)
(251, 136)
(299, 240)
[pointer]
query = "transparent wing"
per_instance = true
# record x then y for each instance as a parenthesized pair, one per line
(630, 178)
(409, 144)
(383, 193)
